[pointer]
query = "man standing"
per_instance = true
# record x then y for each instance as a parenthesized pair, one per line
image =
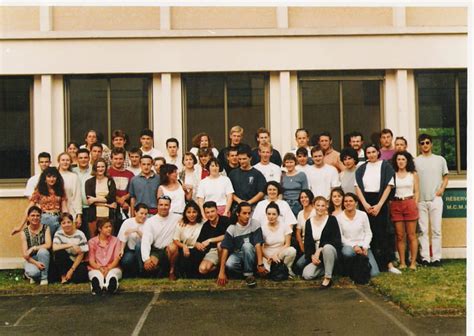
(146, 139)
(232, 160)
(120, 140)
(96, 152)
(322, 178)
(158, 251)
(84, 171)
(263, 139)
(356, 141)
(248, 182)
(401, 144)
(143, 188)
(242, 244)
(386, 144)
(433, 174)
(235, 137)
(173, 157)
(44, 161)
(135, 155)
(271, 171)
(331, 157)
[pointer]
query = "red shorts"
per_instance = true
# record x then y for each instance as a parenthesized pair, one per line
(406, 210)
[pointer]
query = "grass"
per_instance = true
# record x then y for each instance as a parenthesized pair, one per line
(426, 292)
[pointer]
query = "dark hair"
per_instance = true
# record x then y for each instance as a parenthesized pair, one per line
(302, 151)
(276, 185)
(273, 205)
(117, 151)
(58, 187)
(195, 161)
(232, 149)
(215, 161)
(136, 150)
(289, 157)
(83, 150)
(244, 151)
(402, 138)
(209, 204)
(332, 207)
(100, 224)
(197, 140)
(302, 129)
(97, 144)
(89, 131)
(45, 155)
(356, 134)
(410, 162)
(350, 194)
(120, 134)
(165, 170)
(34, 208)
(72, 143)
(159, 158)
(146, 132)
(146, 157)
(424, 136)
(374, 146)
(205, 151)
(308, 193)
(316, 149)
(261, 130)
(348, 152)
(94, 166)
(195, 206)
(172, 140)
(386, 131)
(66, 215)
(325, 133)
(140, 206)
(241, 205)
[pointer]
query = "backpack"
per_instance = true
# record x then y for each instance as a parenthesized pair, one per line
(278, 272)
(360, 269)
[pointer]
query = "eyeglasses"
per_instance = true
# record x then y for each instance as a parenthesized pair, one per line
(427, 142)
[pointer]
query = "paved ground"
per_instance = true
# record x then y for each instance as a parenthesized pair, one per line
(233, 312)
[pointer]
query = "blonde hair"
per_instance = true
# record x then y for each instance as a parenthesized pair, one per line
(236, 129)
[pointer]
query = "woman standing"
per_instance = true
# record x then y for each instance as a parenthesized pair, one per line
(375, 181)
(204, 155)
(72, 187)
(189, 175)
(70, 247)
(293, 182)
(322, 243)
(203, 140)
(171, 186)
(216, 188)
(335, 201)
(277, 240)
(403, 208)
(35, 243)
(72, 148)
(100, 193)
(306, 200)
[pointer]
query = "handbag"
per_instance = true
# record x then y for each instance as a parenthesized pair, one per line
(278, 272)
(360, 269)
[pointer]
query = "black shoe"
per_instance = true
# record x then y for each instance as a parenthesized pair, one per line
(95, 286)
(425, 263)
(113, 285)
(436, 263)
(250, 281)
(327, 286)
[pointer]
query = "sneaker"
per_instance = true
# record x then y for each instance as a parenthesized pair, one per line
(250, 281)
(32, 281)
(113, 286)
(44, 282)
(95, 286)
(425, 263)
(436, 263)
(394, 270)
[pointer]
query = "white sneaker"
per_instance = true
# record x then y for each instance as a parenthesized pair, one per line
(43, 282)
(32, 281)
(394, 270)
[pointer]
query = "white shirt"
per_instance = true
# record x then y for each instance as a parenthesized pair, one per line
(372, 176)
(355, 232)
(133, 238)
(322, 180)
(404, 186)
(158, 232)
(301, 221)
(177, 161)
(274, 240)
(215, 189)
(271, 171)
(286, 215)
(154, 153)
(31, 185)
(135, 171)
(188, 234)
(72, 187)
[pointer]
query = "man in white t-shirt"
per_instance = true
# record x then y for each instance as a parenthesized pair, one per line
(433, 174)
(44, 161)
(158, 250)
(271, 171)
(173, 157)
(146, 139)
(322, 177)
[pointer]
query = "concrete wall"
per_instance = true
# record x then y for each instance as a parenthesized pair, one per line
(19, 18)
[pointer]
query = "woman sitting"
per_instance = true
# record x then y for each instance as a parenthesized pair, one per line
(322, 243)
(277, 239)
(185, 237)
(104, 258)
(335, 201)
(35, 243)
(130, 235)
(305, 198)
(355, 232)
(70, 247)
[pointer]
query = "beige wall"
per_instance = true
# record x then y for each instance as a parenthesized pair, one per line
(11, 212)
(338, 17)
(424, 16)
(223, 17)
(454, 232)
(106, 18)
(19, 19)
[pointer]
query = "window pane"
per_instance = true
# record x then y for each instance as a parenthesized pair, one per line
(361, 101)
(246, 103)
(437, 112)
(15, 127)
(463, 117)
(205, 108)
(87, 107)
(321, 108)
(129, 106)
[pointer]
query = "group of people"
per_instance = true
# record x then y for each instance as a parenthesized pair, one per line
(107, 212)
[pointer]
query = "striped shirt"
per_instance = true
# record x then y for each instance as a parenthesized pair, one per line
(77, 238)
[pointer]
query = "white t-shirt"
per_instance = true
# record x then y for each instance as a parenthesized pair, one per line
(322, 180)
(188, 234)
(431, 169)
(404, 186)
(301, 221)
(72, 187)
(215, 189)
(178, 199)
(355, 232)
(303, 169)
(317, 230)
(274, 240)
(154, 153)
(286, 215)
(177, 161)
(133, 238)
(31, 185)
(271, 171)
(158, 232)
(135, 171)
(372, 175)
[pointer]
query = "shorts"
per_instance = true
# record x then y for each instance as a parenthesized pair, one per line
(212, 256)
(406, 210)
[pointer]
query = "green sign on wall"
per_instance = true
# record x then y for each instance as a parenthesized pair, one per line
(455, 203)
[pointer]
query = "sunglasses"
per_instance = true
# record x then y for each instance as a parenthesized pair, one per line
(427, 142)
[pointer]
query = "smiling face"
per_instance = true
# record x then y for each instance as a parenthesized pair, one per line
(204, 142)
(83, 160)
(100, 169)
(400, 145)
(402, 162)
(34, 218)
(349, 162)
(191, 214)
(64, 162)
(118, 142)
(325, 142)
(265, 153)
(164, 207)
(140, 215)
(44, 163)
(290, 165)
(321, 207)
(233, 158)
(146, 142)
(244, 161)
(214, 169)
(211, 213)
(72, 150)
(51, 180)
(272, 193)
(318, 158)
(67, 225)
(426, 146)
(336, 199)
(356, 142)
(349, 203)
(118, 161)
(304, 199)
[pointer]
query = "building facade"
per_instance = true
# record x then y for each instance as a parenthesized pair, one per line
(183, 70)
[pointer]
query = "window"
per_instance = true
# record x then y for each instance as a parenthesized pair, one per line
(442, 113)
(216, 102)
(15, 112)
(107, 103)
(341, 103)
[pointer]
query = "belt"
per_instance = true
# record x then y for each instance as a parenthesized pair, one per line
(54, 213)
(403, 198)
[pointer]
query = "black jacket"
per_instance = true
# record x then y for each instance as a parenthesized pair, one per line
(330, 235)
(90, 191)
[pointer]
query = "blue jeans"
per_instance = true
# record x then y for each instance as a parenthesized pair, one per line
(52, 221)
(243, 260)
(131, 262)
(32, 271)
(295, 206)
(348, 252)
(301, 264)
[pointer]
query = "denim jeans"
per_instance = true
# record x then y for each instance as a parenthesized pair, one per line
(132, 263)
(348, 252)
(52, 221)
(300, 264)
(32, 271)
(295, 206)
(242, 261)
